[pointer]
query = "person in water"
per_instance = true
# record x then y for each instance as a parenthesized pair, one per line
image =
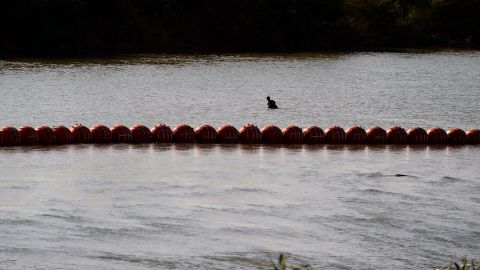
(271, 103)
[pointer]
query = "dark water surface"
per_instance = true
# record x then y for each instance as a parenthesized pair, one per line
(237, 206)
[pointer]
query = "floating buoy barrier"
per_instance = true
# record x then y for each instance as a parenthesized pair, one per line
(45, 135)
(183, 134)
(456, 136)
(63, 135)
(205, 134)
(227, 134)
(81, 134)
(101, 134)
(313, 135)
(162, 134)
(437, 135)
(293, 135)
(121, 134)
(356, 135)
(248, 134)
(141, 134)
(376, 135)
(335, 135)
(9, 136)
(271, 134)
(28, 135)
(417, 135)
(396, 135)
(473, 136)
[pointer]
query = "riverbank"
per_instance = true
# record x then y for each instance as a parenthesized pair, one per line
(83, 28)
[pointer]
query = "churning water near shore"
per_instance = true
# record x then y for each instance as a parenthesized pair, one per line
(239, 206)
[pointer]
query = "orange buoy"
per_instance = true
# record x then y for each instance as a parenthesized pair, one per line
(141, 134)
(292, 134)
(10, 136)
(121, 134)
(417, 135)
(456, 136)
(335, 134)
(356, 135)
(313, 134)
(162, 134)
(250, 134)
(81, 134)
(184, 134)
(376, 135)
(205, 134)
(101, 134)
(46, 135)
(28, 135)
(396, 135)
(227, 134)
(271, 134)
(473, 136)
(63, 135)
(437, 135)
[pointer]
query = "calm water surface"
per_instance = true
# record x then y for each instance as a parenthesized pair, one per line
(238, 207)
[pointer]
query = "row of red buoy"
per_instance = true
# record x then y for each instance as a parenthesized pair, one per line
(44, 135)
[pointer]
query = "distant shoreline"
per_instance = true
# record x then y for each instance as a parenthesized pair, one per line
(85, 28)
(420, 50)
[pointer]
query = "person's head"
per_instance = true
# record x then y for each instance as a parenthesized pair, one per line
(268, 98)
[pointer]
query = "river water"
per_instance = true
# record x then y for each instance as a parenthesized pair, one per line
(240, 206)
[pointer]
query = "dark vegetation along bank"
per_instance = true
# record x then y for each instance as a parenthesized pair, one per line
(97, 27)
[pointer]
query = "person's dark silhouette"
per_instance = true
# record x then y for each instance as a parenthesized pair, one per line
(271, 103)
